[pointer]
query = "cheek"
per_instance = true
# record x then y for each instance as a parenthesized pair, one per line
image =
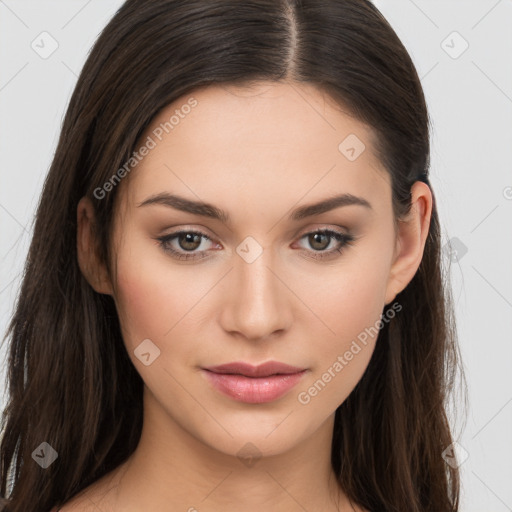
(349, 303)
(145, 295)
(359, 306)
(155, 299)
(351, 306)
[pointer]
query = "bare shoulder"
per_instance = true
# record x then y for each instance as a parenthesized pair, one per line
(83, 502)
(97, 496)
(77, 506)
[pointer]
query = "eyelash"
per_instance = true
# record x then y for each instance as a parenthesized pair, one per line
(344, 239)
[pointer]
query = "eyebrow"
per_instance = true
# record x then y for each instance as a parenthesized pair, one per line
(213, 212)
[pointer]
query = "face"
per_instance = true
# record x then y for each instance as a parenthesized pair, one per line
(261, 283)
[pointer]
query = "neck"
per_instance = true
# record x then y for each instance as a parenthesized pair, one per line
(173, 470)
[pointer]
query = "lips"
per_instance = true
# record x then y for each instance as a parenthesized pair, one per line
(244, 382)
(263, 370)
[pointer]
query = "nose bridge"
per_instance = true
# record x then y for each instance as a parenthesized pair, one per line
(257, 303)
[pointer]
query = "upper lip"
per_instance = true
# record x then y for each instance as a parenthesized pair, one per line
(262, 370)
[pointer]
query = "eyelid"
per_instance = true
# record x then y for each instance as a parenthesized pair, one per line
(343, 240)
(203, 231)
(324, 227)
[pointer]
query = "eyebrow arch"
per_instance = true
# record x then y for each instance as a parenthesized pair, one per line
(211, 211)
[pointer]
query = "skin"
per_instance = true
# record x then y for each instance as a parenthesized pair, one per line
(256, 153)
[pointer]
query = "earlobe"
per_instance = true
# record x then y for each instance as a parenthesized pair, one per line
(90, 265)
(412, 235)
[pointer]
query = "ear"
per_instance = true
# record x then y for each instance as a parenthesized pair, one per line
(411, 237)
(92, 268)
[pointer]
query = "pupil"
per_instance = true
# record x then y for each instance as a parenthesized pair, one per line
(189, 239)
(315, 239)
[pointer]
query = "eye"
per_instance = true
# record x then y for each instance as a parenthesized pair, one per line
(317, 240)
(188, 242)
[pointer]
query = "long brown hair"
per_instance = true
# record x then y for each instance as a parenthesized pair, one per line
(71, 383)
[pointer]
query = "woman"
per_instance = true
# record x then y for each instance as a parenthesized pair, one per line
(233, 299)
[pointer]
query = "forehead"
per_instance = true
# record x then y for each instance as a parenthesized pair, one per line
(270, 139)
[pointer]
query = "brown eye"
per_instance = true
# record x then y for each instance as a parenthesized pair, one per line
(319, 241)
(189, 241)
(187, 244)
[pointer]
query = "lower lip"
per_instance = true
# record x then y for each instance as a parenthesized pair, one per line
(253, 390)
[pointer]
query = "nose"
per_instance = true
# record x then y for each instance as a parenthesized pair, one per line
(257, 301)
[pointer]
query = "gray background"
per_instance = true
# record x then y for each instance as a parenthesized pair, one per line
(470, 100)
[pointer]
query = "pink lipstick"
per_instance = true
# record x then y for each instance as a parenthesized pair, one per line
(254, 384)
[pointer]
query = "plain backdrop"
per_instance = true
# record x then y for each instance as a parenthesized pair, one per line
(463, 54)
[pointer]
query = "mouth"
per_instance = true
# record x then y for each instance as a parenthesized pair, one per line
(244, 382)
